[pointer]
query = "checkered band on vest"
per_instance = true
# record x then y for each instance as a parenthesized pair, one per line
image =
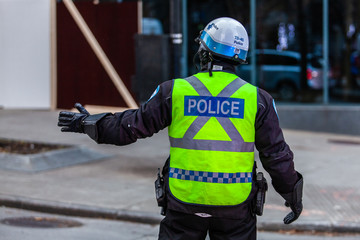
(210, 177)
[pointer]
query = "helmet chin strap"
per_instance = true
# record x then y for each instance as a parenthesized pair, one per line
(210, 67)
(206, 60)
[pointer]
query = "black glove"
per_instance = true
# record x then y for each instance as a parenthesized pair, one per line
(72, 122)
(294, 201)
(295, 214)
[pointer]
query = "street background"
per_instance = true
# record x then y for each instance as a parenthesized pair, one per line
(47, 63)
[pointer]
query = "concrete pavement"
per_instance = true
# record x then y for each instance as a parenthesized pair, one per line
(121, 186)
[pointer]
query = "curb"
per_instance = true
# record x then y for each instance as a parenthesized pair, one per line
(79, 210)
(300, 227)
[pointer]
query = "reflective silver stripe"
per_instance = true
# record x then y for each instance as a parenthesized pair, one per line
(210, 177)
(213, 145)
(237, 143)
(232, 88)
(229, 90)
(230, 129)
(195, 127)
(199, 87)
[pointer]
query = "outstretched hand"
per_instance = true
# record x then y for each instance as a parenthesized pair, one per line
(71, 121)
(81, 109)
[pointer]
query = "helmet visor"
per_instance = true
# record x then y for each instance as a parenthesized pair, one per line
(222, 50)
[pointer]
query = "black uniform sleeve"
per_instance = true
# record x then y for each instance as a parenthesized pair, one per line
(126, 127)
(275, 155)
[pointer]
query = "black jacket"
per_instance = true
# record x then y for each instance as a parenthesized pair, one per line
(276, 157)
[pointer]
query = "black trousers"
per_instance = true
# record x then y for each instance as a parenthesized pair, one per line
(181, 226)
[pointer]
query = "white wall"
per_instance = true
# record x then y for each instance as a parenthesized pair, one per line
(25, 53)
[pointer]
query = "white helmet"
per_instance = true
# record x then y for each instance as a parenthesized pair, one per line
(227, 38)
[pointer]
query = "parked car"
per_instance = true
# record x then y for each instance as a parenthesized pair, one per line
(279, 72)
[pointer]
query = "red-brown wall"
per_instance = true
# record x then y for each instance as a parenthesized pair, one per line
(80, 75)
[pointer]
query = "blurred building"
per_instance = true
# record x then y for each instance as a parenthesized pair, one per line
(288, 25)
(28, 78)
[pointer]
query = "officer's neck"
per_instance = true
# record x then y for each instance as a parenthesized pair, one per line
(220, 66)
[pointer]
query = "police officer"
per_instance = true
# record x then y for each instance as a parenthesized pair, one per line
(215, 120)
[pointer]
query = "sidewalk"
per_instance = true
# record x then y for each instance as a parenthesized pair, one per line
(122, 186)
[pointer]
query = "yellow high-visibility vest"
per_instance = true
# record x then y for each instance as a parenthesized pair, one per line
(212, 137)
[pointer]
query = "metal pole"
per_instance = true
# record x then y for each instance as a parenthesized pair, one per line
(326, 51)
(184, 68)
(176, 36)
(53, 57)
(253, 40)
